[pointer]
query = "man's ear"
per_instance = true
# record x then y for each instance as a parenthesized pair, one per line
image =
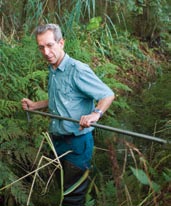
(61, 43)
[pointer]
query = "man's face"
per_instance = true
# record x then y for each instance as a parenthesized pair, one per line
(51, 50)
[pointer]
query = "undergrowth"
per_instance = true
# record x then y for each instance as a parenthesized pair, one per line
(120, 169)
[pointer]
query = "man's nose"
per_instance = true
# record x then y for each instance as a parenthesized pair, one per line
(46, 51)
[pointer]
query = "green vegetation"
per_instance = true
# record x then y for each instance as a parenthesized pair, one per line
(127, 44)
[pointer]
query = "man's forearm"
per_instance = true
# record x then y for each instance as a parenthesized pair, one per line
(41, 104)
(105, 103)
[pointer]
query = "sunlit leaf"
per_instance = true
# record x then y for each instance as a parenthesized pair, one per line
(143, 178)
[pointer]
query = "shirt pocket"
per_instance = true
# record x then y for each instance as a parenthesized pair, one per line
(63, 88)
(63, 93)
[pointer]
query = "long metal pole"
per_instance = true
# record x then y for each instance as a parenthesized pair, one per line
(112, 129)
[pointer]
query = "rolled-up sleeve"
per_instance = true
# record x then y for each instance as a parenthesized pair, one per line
(88, 82)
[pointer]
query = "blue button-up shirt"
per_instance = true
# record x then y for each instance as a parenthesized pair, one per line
(72, 89)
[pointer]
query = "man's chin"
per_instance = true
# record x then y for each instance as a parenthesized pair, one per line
(51, 61)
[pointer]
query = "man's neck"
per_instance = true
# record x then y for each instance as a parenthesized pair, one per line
(55, 66)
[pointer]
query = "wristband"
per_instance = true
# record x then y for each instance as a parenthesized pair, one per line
(98, 111)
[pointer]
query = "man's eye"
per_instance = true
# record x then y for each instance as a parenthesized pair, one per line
(41, 47)
(47, 46)
(50, 45)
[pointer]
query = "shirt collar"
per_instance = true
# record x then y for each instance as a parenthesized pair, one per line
(62, 65)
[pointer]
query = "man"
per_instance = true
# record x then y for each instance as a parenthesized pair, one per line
(72, 89)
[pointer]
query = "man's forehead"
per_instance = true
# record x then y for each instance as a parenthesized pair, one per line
(45, 38)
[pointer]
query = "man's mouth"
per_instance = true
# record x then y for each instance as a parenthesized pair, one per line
(49, 58)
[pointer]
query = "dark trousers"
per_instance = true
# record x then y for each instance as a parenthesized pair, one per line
(71, 175)
(74, 164)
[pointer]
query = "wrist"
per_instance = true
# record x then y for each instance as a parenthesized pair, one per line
(98, 111)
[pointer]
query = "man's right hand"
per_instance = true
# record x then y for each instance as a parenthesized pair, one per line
(27, 104)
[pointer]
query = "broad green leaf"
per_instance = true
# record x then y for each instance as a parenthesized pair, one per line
(143, 178)
(167, 175)
(140, 175)
(155, 186)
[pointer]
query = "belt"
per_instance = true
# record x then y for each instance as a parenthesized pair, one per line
(61, 137)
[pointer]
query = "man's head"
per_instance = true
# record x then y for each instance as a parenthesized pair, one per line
(50, 43)
(51, 27)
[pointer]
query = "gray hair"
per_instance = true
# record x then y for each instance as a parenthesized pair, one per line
(52, 27)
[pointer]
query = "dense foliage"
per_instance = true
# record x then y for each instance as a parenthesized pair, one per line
(127, 44)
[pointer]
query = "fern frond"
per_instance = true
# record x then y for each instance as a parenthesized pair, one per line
(11, 128)
(8, 107)
(20, 190)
